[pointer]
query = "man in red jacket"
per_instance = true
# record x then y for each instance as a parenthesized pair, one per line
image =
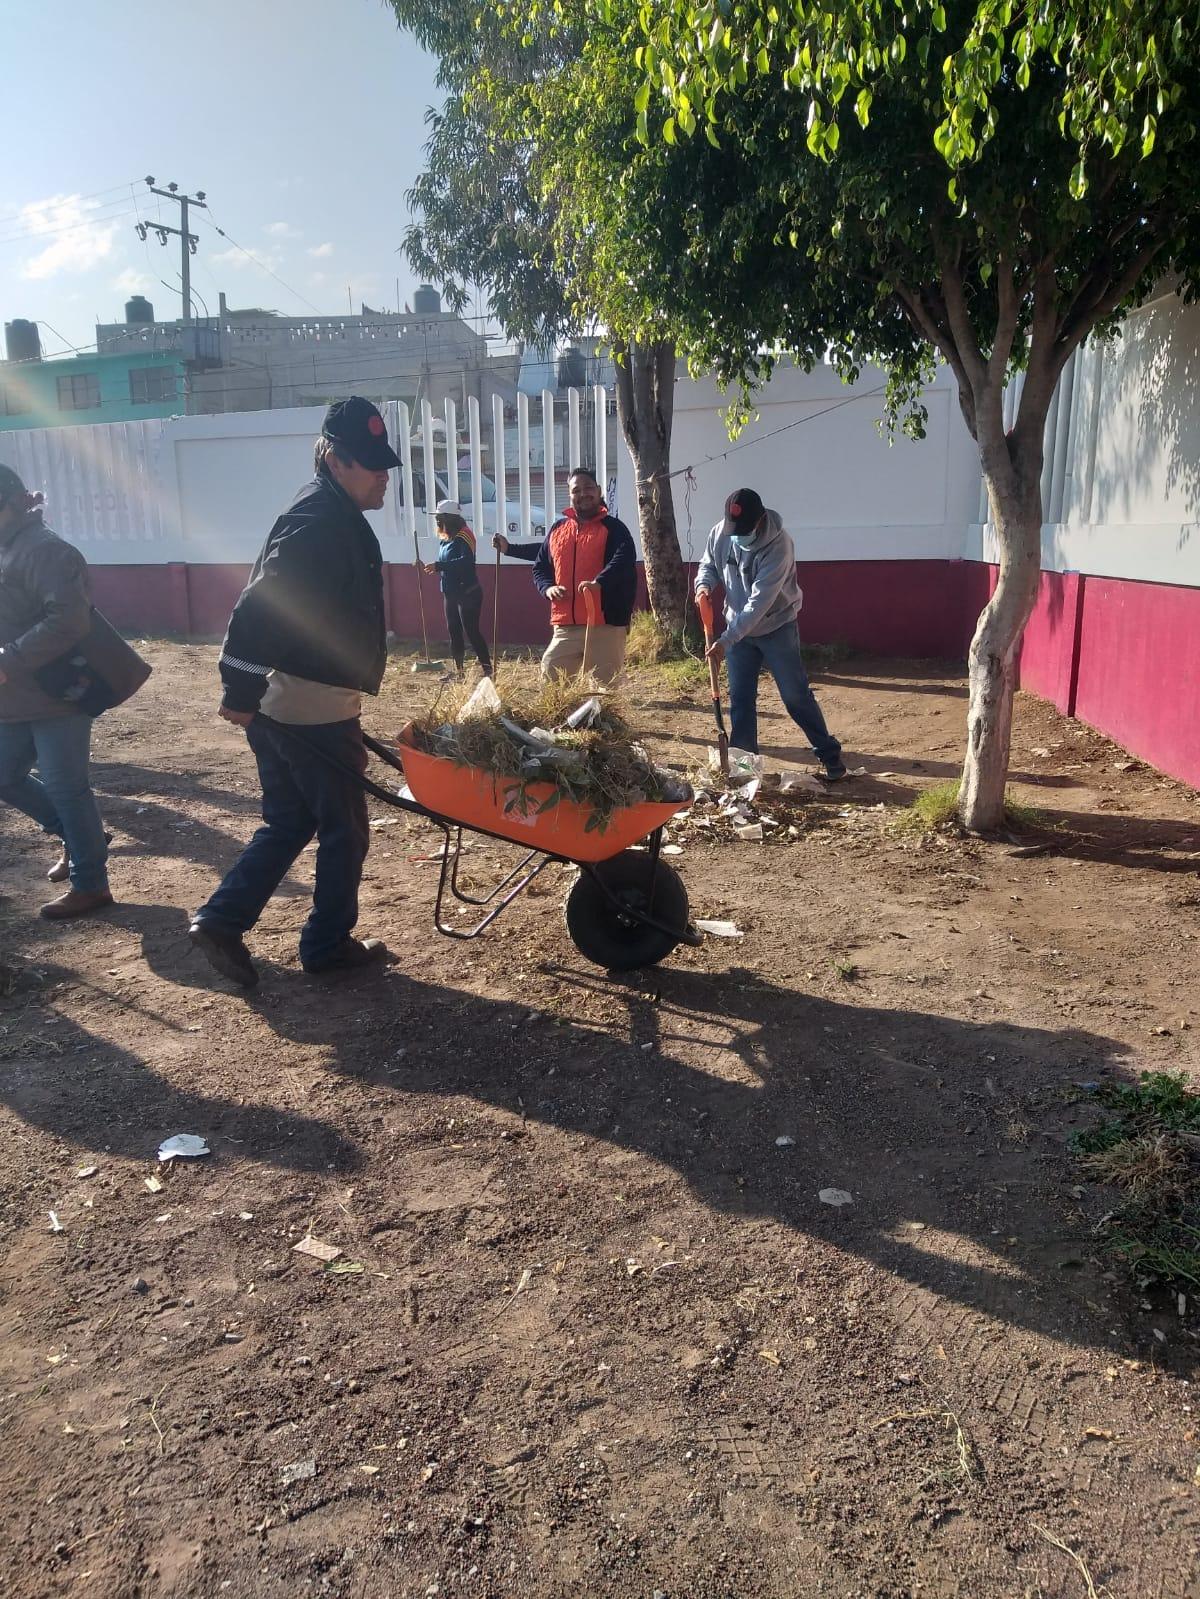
(587, 552)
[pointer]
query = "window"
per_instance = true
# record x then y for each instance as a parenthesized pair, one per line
(151, 385)
(12, 401)
(79, 392)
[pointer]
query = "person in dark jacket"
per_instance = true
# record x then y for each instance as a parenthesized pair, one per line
(45, 611)
(306, 640)
(462, 594)
(586, 550)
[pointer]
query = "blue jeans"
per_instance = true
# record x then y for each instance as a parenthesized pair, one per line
(60, 797)
(779, 652)
(302, 795)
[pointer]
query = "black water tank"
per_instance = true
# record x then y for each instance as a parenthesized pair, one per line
(426, 301)
(22, 340)
(139, 309)
(572, 368)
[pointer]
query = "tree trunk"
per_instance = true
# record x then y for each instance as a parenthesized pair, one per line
(1014, 493)
(645, 407)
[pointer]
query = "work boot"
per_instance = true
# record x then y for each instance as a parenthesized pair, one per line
(76, 903)
(350, 956)
(225, 953)
(832, 773)
(61, 869)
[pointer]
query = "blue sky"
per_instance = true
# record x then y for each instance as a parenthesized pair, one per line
(302, 120)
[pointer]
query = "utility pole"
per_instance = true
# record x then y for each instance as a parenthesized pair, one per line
(188, 241)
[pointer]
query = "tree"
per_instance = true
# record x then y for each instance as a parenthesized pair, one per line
(982, 181)
(497, 206)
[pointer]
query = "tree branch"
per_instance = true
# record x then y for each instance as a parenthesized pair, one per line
(1008, 311)
(923, 319)
(960, 319)
(1104, 298)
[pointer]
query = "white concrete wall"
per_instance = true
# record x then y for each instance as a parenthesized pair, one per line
(1121, 486)
(815, 453)
(203, 489)
(1122, 481)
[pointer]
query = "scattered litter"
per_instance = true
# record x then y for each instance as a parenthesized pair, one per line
(720, 929)
(750, 832)
(139, 1285)
(789, 781)
(153, 1184)
(370, 1470)
(87, 1171)
(523, 1281)
(1043, 755)
(314, 1247)
(183, 1146)
(835, 1196)
(166, 1216)
(785, 1141)
(585, 715)
(245, 1215)
(298, 1471)
(771, 1356)
(55, 1225)
(386, 821)
(671, 849)
(856, 771)
(234, 1337)
(483, 700)
(345, 1268)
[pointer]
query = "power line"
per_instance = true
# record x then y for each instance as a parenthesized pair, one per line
(33, 234)
(15, 216)
(249, 254)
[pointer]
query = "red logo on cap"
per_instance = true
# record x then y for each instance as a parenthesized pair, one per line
(735, 510)
(375, 425)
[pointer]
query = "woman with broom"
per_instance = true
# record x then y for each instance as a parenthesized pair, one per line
(461, 591)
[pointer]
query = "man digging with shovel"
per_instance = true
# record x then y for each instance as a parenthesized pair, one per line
(754, 558)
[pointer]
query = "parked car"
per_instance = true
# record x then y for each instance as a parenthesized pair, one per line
(512, 508)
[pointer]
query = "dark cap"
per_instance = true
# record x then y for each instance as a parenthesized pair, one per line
(743, 512)
(357, 426)
(10, 483)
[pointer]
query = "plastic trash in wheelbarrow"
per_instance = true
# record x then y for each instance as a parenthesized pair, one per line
(511, 809)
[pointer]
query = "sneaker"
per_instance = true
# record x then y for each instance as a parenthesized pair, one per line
(350, 956)
(833, 773)
(225, 953)
(61, 869)
(76, 903)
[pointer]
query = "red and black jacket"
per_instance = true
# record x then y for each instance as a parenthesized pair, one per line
(600, 550)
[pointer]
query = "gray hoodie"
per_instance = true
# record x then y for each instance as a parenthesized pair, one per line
(761, 592)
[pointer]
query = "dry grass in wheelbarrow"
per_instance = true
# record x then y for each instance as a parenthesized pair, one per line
(612, 771)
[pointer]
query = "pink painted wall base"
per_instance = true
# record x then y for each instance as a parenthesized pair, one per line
(1118, 654)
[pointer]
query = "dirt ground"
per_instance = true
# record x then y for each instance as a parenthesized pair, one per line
(606, 1340)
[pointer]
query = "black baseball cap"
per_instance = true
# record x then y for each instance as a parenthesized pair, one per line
(10, 483)
(357, 426)
(743, 512)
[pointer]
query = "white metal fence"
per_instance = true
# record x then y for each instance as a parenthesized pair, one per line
(207, 489)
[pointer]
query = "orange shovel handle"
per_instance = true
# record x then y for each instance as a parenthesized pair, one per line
(704, 606)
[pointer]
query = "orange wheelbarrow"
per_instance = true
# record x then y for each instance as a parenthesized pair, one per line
(627, 908)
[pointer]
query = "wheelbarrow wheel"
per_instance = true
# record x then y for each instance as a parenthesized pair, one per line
(611, 934)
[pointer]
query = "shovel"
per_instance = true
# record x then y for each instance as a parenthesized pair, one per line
(704, 606)
(592, 613)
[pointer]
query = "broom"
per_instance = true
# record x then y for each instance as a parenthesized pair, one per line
(426, 665)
